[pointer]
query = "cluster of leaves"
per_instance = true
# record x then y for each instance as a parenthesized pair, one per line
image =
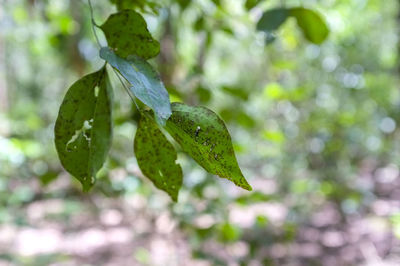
(310, 22)
(83, 129)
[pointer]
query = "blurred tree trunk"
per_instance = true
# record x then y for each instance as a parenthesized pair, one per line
(398, 35)
(76, 59)
(167, 61)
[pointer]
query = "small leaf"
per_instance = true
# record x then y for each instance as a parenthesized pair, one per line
(240, 93)
(311, 23)
(127, 34)
(156, 157)
(203, 135)
(251, 4)
(146, 83)
(272, 19)
(83, 128)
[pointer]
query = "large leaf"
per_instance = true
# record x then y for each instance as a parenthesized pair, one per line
(127, 34)
(156, 157)
(146, 83)
(203, 135)
(272, 19)
(83, 128)
(312, 24)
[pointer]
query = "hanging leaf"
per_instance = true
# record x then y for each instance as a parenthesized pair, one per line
(311, 23)
(203, 135)
(146, 83)
(156, 157)
(272, 19)
(83, 128)
(127, 34)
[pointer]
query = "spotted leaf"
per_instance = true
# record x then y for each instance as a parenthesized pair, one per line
(204, 136)
(156, 157)
(127, 34)
(83, 128)
(146, 83)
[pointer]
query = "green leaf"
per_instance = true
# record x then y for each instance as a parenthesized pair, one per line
(251, 4)
(156, 157)
(229, 233)
(83, 128)
(183, 3)
(272, 19)
(127, 34)
(203, 135)
(142, 5)
(311, 23)
(237, 92)
(146, 83)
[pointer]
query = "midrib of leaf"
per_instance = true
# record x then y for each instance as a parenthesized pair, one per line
(102, 76)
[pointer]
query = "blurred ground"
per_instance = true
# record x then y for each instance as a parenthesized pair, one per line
(133, 230)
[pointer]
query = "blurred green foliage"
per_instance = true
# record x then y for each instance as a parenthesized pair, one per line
(313, 126)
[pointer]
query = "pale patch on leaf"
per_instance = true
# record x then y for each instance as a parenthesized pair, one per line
(83, 127)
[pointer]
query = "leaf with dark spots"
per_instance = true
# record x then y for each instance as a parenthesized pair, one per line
(156, 157)
(127, 34)
(204, 136)
(145, 82)
(83, 128)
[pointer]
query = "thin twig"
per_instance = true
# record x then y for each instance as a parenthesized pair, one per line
(127, 90)
(93, 23)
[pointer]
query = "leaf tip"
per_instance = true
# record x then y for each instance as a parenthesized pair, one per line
(86, 188)
(246, 186)
(87, 184)
(174, 198)
(242, 182)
